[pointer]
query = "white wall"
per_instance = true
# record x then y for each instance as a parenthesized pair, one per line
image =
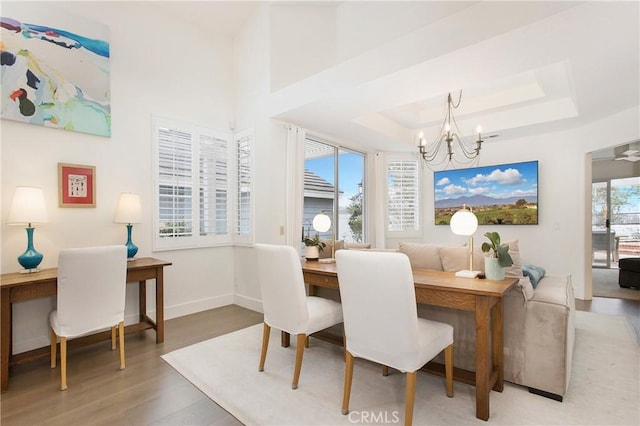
(186, 75)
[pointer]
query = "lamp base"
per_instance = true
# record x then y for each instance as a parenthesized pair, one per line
(467, 274)
(327, 260)
(29, 271)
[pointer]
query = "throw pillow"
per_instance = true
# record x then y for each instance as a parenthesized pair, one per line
(456, 259)
(514, 270)
(327, 252)
(535, 273)
(422, 255)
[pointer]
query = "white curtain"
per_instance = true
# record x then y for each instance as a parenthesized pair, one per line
(379, 201)
(295, 184)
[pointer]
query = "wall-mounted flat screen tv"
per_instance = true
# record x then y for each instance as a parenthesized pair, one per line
(505, 194)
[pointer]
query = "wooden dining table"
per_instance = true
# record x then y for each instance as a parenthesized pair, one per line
(444, 289)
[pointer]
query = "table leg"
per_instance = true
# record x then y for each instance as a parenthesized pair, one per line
(497, 350)
(142, 299)
(159, 305)
(482, 358)
(5, 339)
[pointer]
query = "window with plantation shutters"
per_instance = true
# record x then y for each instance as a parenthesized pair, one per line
(192, 186)
(244, 190)
(403, 203)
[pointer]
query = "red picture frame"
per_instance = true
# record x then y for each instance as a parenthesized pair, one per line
(76, 185)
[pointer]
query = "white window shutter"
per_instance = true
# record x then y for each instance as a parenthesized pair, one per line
(403, 201)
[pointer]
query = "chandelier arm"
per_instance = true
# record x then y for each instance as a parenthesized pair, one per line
(434, 148)
(468, 152)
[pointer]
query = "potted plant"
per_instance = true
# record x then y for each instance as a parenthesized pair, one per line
(498, 259)
(314, 247)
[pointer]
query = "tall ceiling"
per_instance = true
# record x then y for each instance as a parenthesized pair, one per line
(524, 68)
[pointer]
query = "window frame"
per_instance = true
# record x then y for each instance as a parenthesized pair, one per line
(337, 148)
(195, 240)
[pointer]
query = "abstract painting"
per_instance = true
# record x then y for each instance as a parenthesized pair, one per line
(55, 69)
(506, 194)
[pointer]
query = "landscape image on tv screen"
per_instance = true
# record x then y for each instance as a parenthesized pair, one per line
(506, 194)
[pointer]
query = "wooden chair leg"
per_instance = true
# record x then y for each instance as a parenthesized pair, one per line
(348, 379)
(409, 397)
(113, 338)
(448, 367)
(63, 363)
(121, 336)
(300, 343)
(385, 370)
(54, 347)
(265, 344)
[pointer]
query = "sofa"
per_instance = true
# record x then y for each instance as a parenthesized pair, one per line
(629, 275)
(539, 321)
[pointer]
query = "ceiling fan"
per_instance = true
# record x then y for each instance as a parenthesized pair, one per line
(629, 152)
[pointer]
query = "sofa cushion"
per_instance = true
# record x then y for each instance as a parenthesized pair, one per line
(357, 246)
(422, 255)
(327, 253)
(535, 273)
(457, 258)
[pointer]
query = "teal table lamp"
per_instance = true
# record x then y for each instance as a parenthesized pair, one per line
(28, 208)
(129, 212)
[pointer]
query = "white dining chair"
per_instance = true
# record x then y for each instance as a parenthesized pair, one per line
(285, 303)
(381, 322)
(91, 296)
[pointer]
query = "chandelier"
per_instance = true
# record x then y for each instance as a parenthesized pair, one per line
(459, 150)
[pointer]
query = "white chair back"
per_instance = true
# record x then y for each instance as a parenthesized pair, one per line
(91, 288)
(282, 286)
(379, 307)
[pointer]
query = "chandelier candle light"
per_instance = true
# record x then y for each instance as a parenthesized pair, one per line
(27, 208)
(450, 133)
(129, 212)
(464, 222)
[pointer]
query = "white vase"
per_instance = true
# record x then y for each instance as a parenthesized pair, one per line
(492, 269)
(312, 253)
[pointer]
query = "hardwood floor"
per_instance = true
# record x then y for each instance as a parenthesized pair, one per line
(149, 391)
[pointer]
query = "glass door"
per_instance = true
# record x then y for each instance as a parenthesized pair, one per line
(601, 225)
(615, 226)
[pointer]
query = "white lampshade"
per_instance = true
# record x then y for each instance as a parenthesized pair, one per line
(321, 222)
(27, 206)
(464, 222)
(129, 210)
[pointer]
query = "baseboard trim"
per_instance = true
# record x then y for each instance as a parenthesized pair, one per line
(248, 302)
(549, 395)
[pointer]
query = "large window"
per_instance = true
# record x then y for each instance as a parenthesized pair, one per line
(403, 202)
(195, 184)
(334, 183)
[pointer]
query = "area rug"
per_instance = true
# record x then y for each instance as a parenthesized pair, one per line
(604, 388)
(605, 284)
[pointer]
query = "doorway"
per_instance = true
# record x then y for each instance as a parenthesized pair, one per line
(615, 219)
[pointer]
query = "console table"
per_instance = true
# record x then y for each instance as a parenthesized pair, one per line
(484, 297)
(17, 287)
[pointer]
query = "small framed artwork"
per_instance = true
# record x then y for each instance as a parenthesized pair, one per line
(76, 185)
